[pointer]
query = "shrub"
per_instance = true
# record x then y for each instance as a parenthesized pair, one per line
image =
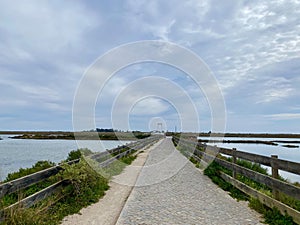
(212, 171)
(272, 216)
(75, 154)
(40, 165)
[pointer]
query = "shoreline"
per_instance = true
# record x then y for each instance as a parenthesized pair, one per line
(93, 135)
(62, 135)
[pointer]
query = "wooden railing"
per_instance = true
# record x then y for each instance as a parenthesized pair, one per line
(109, 156)
(26, 181)
(209, 153)
(104, 159)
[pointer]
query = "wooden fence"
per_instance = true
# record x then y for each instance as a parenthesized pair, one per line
(104, 159)
(193, 149)
(109, 156)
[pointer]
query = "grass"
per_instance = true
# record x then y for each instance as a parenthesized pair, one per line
(14, 197)
(86, 187)
(271, 216)
(40, 165)
(213, 172)
(114, 168)
(290, 201)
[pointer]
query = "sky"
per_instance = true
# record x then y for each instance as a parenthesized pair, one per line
(252, 49)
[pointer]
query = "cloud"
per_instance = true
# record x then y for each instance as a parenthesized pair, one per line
(284, 116)
(252, 47)
(46, 25)
(276, 89)
(235, 39)
(164, 19)
(149, 106)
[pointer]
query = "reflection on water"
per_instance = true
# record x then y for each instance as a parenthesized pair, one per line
(17, 153)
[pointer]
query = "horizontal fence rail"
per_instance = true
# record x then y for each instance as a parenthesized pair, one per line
(271, 202)
(40, 195)
(103, 158)
(106, 158)
(26, 181)
(288, 166)
(192, 149)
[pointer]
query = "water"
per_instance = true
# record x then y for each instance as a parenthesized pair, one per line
(290, 154)
(17, 153)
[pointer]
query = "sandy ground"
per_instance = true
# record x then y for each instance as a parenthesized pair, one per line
(108, 209)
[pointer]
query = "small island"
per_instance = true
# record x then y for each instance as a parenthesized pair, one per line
(238, 141)
(291, 146)
(102, 134)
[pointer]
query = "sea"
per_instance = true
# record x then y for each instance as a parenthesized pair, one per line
(23, 153)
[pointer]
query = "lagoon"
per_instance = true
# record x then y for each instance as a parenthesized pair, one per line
(17, 153)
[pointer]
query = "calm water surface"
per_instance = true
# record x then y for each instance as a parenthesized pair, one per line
(17, 153)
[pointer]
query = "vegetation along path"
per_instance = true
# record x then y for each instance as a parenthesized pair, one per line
(171, 190)
(107, 210)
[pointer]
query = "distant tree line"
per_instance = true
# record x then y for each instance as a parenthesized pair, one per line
(105, 130)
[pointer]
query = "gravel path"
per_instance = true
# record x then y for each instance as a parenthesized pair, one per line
(170, 190)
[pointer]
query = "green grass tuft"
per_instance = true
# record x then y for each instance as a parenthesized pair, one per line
(86, 187)
(213, 172)
(271, 216)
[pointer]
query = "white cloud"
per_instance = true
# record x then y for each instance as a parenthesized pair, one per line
(276, 89)
(46, 45)
(165, 20)
(45, 26)
(9, 102)
(32, 91)
(283, 116)
(295, 108)
(275, 94)
(114, 86)
(247, 36)
(149, 106)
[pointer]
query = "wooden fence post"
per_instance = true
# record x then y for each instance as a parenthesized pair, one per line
(234, 162)
(274, 175)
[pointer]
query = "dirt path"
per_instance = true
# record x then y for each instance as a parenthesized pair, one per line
(108, 209)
